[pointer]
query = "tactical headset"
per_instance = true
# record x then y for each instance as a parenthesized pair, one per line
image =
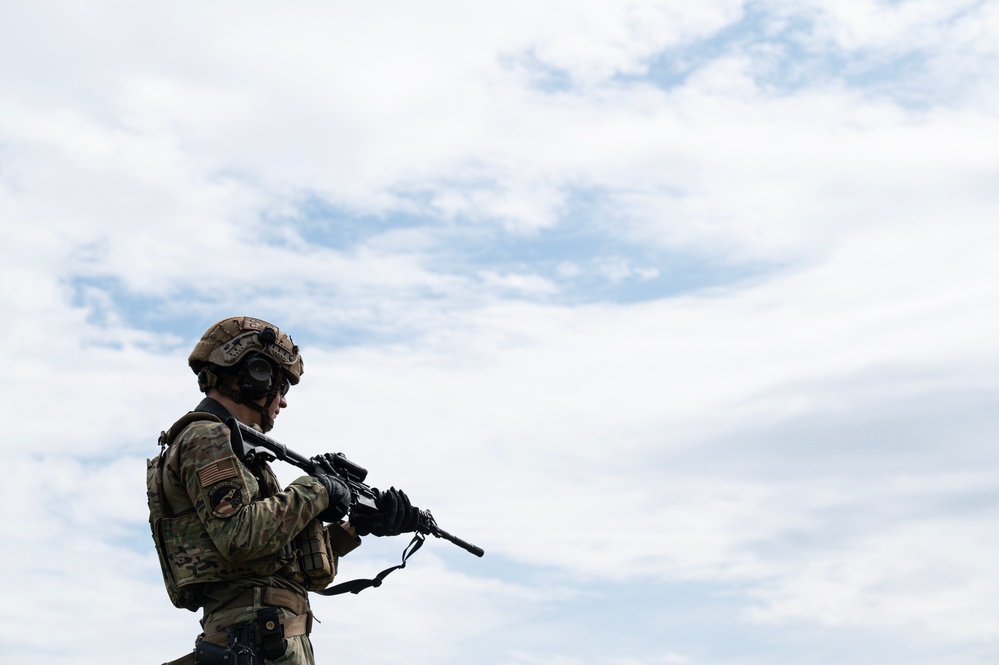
(256, 377)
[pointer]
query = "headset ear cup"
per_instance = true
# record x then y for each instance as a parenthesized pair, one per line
(256, 377)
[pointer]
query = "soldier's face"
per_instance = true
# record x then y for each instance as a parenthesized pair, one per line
(281, 402)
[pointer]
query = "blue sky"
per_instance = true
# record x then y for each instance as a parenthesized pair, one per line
(684, 312)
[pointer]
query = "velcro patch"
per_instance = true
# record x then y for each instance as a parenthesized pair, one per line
(213, 472)
(225, 498)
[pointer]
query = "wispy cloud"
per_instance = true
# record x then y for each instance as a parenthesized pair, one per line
(686, 315)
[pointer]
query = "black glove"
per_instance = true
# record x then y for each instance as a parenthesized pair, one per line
(337, 490)
(395, 515)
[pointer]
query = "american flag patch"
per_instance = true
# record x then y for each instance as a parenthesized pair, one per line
(210, 474)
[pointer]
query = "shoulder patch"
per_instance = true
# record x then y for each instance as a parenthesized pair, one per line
(225, 498)
(213, 472)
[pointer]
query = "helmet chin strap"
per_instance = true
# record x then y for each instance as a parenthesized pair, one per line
(266, 422)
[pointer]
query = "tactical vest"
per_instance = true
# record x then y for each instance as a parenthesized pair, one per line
(188, 557)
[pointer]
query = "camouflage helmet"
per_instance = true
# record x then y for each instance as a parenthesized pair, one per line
(229, 341)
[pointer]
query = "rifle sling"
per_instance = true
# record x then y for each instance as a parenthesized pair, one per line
(359, 585)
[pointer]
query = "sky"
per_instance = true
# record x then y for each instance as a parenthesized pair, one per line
(684, 312)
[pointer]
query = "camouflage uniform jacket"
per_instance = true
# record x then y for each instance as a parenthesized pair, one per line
(232, 526)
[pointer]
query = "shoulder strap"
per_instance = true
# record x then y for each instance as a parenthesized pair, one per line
(172, 432)
(167, 437)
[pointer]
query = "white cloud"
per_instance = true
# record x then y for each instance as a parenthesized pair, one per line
(885, 26)
(928, 571)
(811, 440)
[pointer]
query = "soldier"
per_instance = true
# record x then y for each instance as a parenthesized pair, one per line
(230, 541)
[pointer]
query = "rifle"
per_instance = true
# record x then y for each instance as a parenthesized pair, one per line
(255, 445)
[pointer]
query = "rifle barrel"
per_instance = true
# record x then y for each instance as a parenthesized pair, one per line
(468, 547)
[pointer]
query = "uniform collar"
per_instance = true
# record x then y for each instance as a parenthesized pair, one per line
(212, 406)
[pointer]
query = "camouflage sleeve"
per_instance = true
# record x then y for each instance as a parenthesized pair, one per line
(228, 498)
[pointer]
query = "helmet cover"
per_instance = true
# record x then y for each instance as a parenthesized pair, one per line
(229, 341)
